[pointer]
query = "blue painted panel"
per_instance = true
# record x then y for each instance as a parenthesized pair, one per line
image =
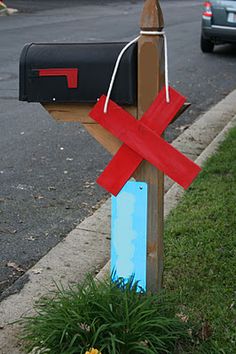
(129, 232)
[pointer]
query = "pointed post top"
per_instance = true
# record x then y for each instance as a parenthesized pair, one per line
(152, 17)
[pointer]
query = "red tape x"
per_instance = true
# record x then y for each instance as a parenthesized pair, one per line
(142, 141)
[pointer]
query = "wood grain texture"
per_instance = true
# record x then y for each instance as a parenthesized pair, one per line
(75, 112)
(152, 17)
(150, 81)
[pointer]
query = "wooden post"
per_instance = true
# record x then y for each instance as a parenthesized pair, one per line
(150, 81)
(75, 112)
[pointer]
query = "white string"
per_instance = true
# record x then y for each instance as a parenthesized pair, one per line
(120, 57)
(166, 59)
(115, 71)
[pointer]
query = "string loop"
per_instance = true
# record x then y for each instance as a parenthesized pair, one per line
(154, 33)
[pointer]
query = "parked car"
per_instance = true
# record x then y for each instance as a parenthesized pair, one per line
(218, 24)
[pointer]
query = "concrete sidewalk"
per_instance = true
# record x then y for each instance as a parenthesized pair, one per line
(86, 248)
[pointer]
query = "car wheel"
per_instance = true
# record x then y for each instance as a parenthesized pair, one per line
(206, 45)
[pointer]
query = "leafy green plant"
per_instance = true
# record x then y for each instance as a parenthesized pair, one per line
(115, 318)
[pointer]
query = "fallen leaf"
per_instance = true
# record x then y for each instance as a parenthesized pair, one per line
(182, 317)
(30, 238)
(206, 331)
(15, 266)
(8, 231)
(38, 197)
(37, 271)
(183, 127)
(51, 188)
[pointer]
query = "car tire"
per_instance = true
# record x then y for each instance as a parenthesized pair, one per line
(206, 45)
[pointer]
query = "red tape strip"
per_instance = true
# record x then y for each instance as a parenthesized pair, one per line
(142, 140)
(126, 161)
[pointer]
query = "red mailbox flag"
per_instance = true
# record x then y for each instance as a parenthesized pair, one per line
(71, 75)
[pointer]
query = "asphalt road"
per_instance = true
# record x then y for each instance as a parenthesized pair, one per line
(48, 170)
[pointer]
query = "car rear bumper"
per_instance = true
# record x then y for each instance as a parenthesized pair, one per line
(218, 34)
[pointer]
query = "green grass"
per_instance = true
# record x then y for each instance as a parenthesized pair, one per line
(200, 253)
(113, 318)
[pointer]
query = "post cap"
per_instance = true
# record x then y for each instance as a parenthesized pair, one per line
(152, 17)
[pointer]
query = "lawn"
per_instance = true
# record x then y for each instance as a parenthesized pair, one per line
(200, 252)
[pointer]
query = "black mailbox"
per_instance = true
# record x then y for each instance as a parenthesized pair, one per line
(77, 73)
